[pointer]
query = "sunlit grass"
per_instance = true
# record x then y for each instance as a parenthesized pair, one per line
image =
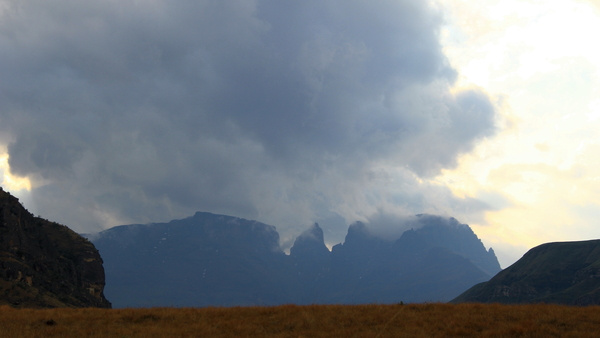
(414, 320)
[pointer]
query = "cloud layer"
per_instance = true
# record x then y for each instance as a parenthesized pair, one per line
(282, 111)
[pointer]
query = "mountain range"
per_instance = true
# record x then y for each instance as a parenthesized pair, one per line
(218, 260)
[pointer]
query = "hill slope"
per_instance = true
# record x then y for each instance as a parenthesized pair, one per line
(45, 264)
(562, 273)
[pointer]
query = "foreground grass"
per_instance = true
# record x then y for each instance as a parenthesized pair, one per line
(414, 320)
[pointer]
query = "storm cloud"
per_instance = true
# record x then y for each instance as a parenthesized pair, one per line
(281, 111)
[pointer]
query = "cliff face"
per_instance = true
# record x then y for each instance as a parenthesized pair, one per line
(45, 264)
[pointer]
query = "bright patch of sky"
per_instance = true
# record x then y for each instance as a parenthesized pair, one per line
(542, 173)
(17, 185)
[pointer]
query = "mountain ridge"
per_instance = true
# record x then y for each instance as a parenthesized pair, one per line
(218, 260)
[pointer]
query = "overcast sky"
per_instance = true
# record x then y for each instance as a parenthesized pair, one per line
(290, 112)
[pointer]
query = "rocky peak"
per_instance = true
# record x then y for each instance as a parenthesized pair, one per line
(310, 243)
(357, 232)
(359, 238)
(436, 231)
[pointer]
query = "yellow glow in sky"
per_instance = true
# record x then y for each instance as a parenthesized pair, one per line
(11, 182)
(541, 173)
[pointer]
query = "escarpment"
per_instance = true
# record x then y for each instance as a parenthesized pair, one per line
(44, 264)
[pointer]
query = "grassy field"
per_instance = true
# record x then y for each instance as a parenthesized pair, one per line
(414, 320)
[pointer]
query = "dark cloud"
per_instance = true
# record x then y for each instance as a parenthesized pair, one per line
(282, 111)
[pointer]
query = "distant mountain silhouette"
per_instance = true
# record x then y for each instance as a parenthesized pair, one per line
(45, 264)
(217, 260)
(198, 261)
(432, 263)
(436, 231)
(562, 273)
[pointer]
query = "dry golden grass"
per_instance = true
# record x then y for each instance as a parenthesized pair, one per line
(414, 320)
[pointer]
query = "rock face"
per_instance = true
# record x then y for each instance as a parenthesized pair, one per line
(562, 273)
(310, 261)
(216, 260)
(203, 260)
(45, 264)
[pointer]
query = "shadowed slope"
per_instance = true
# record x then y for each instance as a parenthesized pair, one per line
(562, 273)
